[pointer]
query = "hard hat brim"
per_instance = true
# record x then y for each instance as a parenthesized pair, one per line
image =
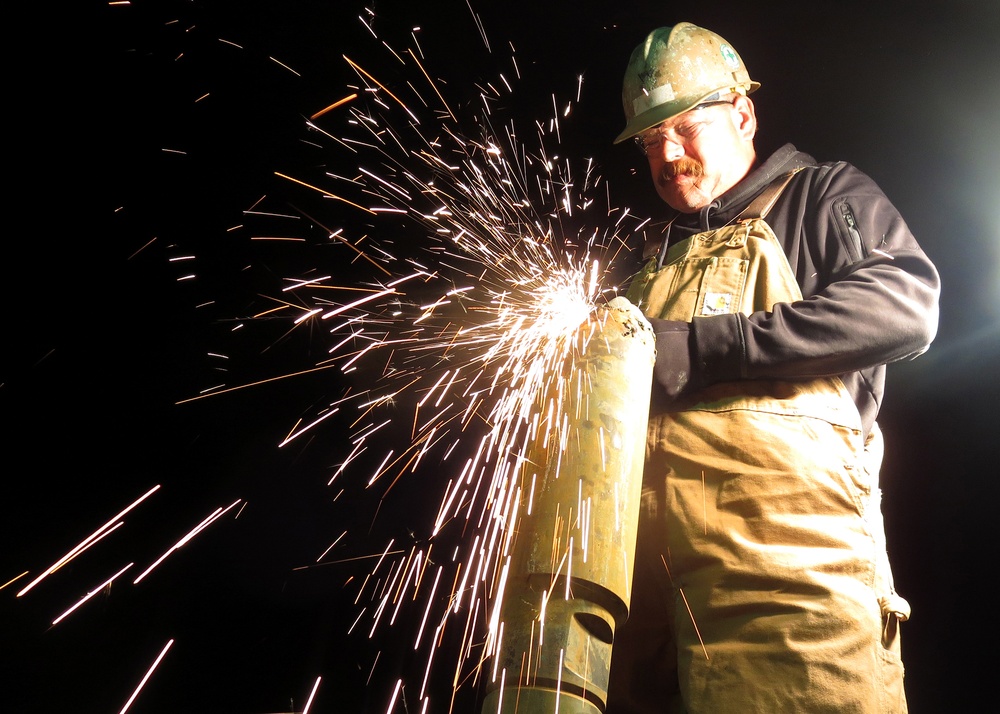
(668, 110)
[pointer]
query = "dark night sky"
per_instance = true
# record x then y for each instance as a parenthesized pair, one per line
(129, 165)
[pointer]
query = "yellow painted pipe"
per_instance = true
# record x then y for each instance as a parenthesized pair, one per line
(571, 559)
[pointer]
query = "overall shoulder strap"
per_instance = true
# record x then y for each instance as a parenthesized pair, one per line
(761, 205)
(653, 246)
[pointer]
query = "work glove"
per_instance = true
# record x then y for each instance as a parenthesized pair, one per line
(672, 375)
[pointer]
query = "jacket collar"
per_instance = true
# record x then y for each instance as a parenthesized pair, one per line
(727, 206)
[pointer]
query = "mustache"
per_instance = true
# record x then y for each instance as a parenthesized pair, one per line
(683, 166)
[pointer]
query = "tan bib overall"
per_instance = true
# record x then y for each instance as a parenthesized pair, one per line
(762, 583)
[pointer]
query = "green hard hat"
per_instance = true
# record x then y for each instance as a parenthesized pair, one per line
(675, 69)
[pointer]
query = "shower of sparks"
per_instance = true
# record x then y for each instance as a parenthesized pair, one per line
(471, 326)
(472, 268)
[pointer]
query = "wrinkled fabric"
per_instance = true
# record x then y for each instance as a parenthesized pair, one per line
(761, 581)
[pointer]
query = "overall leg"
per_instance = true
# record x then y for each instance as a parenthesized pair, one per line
(769, 545)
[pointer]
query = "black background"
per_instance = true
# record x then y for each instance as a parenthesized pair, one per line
(141, 133)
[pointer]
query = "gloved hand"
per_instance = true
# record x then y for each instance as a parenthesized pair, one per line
(672, 375)
(631, 316)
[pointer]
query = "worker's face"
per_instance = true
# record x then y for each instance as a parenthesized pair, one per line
(699, 155)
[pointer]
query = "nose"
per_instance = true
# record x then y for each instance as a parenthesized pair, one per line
(672, 150)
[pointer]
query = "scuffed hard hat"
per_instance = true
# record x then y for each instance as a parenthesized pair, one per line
(675, 69)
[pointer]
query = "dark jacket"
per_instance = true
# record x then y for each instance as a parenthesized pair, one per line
(870, 293)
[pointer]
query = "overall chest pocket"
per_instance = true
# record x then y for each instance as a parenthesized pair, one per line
(696, 287)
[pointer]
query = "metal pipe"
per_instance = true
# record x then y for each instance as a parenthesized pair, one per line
(568, 586)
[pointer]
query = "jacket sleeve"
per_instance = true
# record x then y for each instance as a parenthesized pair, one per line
(870, 292)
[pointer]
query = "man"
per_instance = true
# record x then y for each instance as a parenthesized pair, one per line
(778, 292)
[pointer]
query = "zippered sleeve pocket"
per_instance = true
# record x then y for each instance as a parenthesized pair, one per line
(849, 230)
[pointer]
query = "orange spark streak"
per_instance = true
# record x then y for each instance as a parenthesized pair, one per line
(381, 86)
(336, 235)
(349, 98)
(13, 580)
(253, 384)
(690, 613)
(324, 192)
(433, 85)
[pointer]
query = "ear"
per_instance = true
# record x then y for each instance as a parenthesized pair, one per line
(745, 117)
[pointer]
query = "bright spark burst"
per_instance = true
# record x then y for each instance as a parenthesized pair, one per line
(474, 328)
